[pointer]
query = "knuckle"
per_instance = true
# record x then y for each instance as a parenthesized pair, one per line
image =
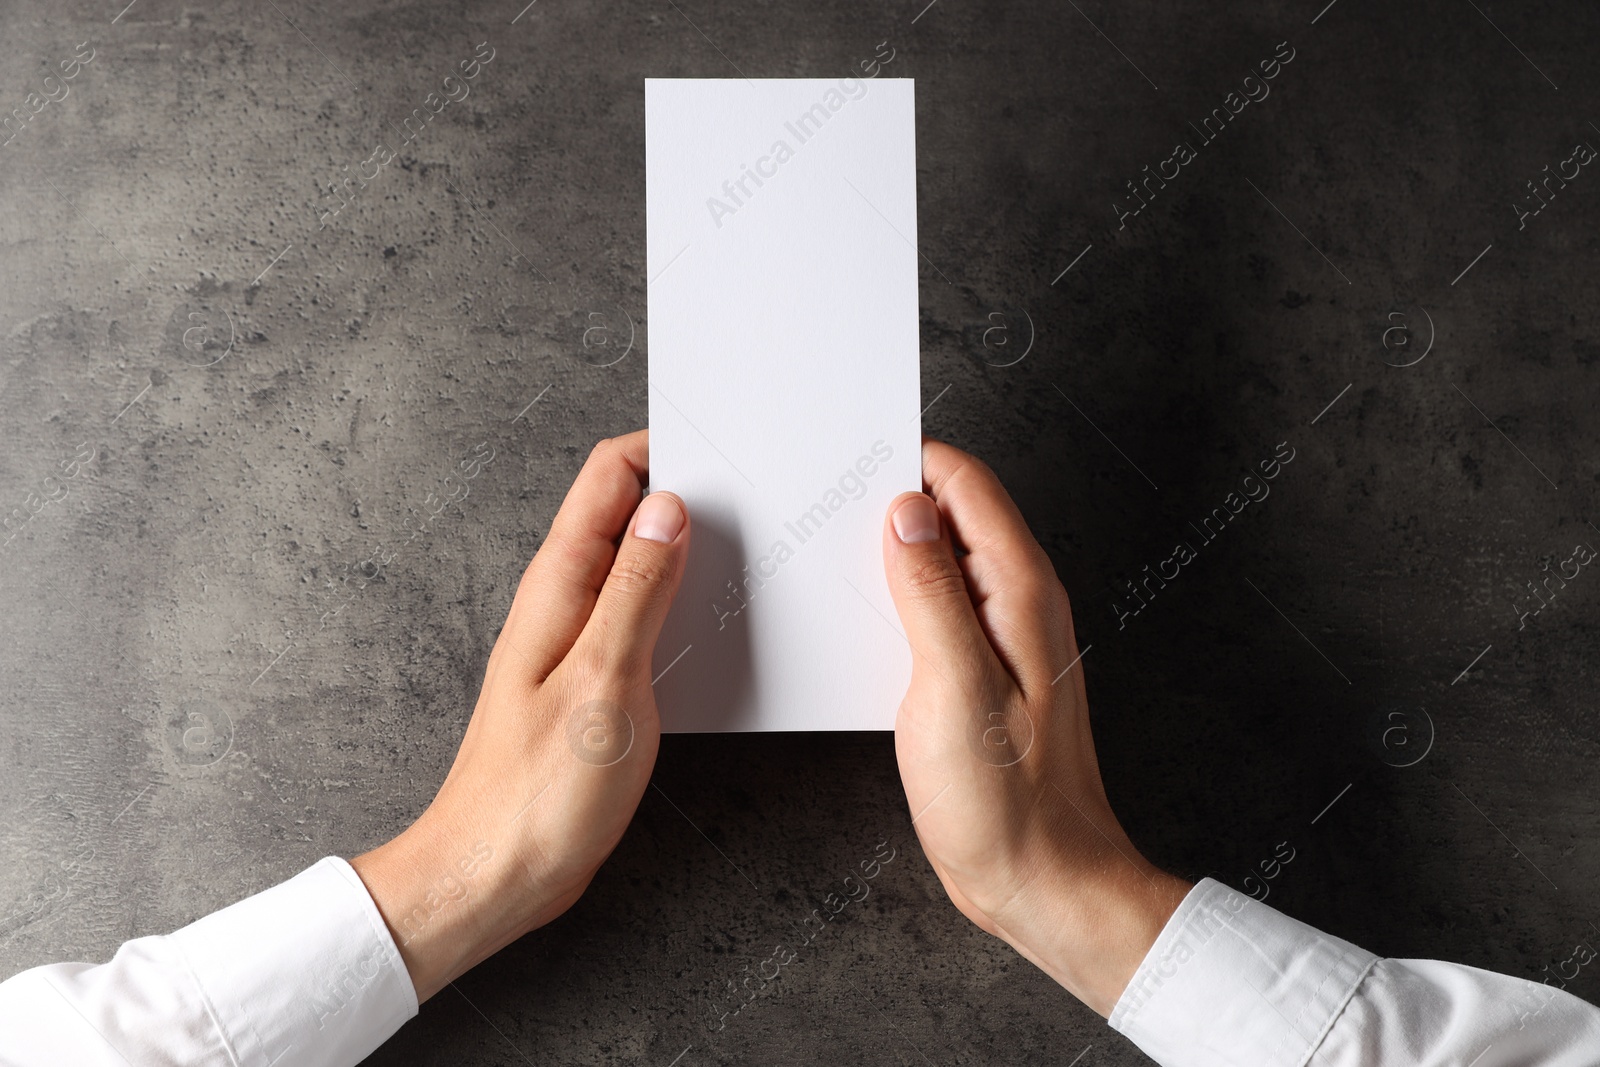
(978, 467)
(1038, 567)
(933, 578)
(641, 573)
(602, 451)
(530, 574)
(1049, 605)
(970, 466)
(1060, 602)
(528, 585)
(1049, 618)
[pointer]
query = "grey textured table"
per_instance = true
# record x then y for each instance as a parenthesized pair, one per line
(227, 393)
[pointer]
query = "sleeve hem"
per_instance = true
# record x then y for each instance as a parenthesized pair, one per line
(306, 967)
(1230, 979)
(380, 929)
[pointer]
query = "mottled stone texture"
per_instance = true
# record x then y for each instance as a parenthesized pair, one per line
(210, 681)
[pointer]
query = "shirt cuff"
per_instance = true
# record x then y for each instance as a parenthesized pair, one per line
(1230, 980)
(304, 972)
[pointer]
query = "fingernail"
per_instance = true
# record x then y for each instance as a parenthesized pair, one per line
(660, 518)
(916, 521)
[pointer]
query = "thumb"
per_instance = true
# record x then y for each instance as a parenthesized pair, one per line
(929, 588)
(622, 630)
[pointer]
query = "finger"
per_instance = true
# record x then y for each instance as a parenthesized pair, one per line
(621, 633)
(1017, 597)
(930, 592)
(560, 587)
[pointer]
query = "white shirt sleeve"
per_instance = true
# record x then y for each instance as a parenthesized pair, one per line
(302, 974)
(1231, 981)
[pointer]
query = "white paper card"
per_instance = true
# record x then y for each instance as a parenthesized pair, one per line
(784, 392)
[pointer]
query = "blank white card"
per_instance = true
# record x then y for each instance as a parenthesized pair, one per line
(784, 393)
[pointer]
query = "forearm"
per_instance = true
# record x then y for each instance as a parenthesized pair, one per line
(305, 965)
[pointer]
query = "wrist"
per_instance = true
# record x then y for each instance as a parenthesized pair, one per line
(1089, 930)
(450, 899)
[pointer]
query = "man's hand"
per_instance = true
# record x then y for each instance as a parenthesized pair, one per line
(994, 745)
(563, 738)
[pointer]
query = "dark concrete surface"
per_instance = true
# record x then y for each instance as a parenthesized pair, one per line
(209, 681)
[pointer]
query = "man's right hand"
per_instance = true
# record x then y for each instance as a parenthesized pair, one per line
(993, 739)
